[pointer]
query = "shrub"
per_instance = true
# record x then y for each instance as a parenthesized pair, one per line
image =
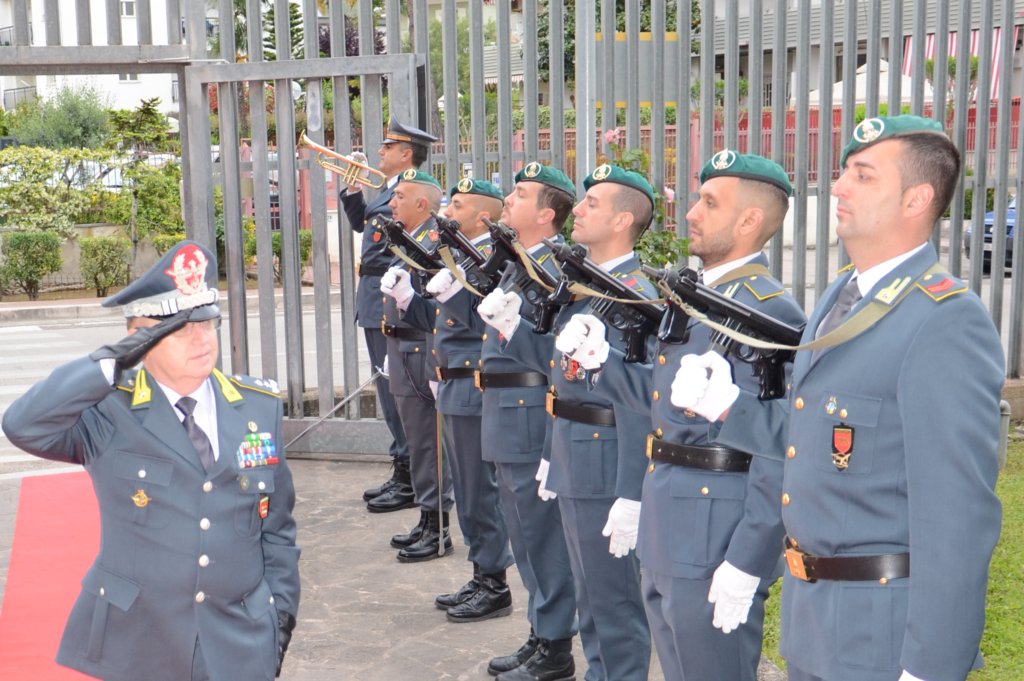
(165, 242)
(305, 249)
(30, 256)
(657, 249)
(105, 261)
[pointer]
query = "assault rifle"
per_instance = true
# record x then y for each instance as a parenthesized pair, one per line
(503, 250)
(396, 235)
(466, 255)
(768, 365)
(636, 321)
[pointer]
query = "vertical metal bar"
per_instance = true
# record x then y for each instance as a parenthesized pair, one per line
(940, 84)
(51, 17)
(803, 114)
(291, 268)
(981, 125)
(780, 76)
(421, 40)
(707, 79)
(83, 22)
(609, 120)
(530, 100)
(657, 100)
(346, 247)
(684, 27)
(732, 75)
(113, 22)
(393, 28)
(450, 43)
(826, 65)
(373, 126)
(144, 21)
(920, 37)
(850, 51)
(173, 8)
(556, 81)
(478, 111)
(874, 57)
(185, 138)
(195, 28)
(586, 89)
(1014, 358)
(505, 174)
(895, 98)
(199, 227)
(633, 68)
(960, 108)
(1005, 108)
(755, 91)
(20, 16)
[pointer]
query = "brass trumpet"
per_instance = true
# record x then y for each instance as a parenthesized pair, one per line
(352, 173)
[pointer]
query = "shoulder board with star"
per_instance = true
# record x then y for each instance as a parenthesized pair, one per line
(266, 386)
(127, 382)
(940, 286)
(846, 269)
(763, 287)
(630, 279)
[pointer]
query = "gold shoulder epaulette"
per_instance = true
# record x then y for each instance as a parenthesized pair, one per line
(261, 385)
(846, 269)
(941, 286)
(763, 287)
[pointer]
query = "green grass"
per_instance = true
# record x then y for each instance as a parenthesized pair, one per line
(1003, 642)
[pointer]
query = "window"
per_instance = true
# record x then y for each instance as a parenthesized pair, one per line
(128, 77)
(128, 9)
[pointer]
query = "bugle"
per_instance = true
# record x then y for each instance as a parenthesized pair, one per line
(352, 173)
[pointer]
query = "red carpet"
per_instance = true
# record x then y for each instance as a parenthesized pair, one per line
(56, 538)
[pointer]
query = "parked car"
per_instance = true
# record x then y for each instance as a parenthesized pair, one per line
(1011, 223)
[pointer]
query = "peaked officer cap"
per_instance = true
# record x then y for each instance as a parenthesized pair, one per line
(406, 133)
(185, 278)
(872, 130)
(552, 177)
(468, 185)
(728, 163)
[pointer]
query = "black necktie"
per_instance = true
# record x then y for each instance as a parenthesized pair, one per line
(845, 301)
(199, 439)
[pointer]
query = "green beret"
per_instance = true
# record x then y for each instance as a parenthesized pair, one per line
(728, 163)
(627, 178)
(419, 177)
(468, 185)
(535, 172)
(872, 130)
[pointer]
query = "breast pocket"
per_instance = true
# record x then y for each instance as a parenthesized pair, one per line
(523, 420)
(594, 457)
(142, 492)
(706, 507)
(253, 485)
(848, 423)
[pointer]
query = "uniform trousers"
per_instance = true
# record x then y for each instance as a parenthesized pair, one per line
(477, 502)
(538, 543)
(689, 647)
(420, 421)
(613, 625)
(377, 346)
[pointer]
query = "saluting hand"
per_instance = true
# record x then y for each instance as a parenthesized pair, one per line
(130, 350)
(583, 339)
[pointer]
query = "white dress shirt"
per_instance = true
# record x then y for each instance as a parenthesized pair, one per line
(718, 271)
(867, 280)
(205, 413)
(610, 265)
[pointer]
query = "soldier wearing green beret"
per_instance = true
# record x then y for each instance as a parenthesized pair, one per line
(888, 434)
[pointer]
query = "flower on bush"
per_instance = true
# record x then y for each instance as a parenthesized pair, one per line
(611, 135)
(670, 195)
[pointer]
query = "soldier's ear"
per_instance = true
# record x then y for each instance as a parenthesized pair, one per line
(918, 200)
(751, 221)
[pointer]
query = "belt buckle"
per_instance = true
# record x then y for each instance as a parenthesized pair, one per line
(438, 371)
(795, 560)
(549, 404)
(650, 444)
(476, 380)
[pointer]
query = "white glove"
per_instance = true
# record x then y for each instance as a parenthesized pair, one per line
(623, 523)
(732, 592)
(384, 369)
(361, 158)
(694, 389)
(501, 310)
(583, 340)
(542, 477)
(444, 285)
(907, 676)
(433, 388)
(397, 283)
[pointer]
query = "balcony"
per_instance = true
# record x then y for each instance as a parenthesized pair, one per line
(7, 35)
(18, 95)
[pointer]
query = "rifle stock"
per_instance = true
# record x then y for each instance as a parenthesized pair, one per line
(394, 231)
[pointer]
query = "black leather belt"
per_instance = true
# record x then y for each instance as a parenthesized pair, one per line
(446, 374)
(846, 568)
(515, 379)
(561, 409)
(401, 332)
(365, 271)
(704, 457)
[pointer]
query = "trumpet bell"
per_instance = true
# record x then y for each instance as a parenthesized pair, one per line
(353, 172)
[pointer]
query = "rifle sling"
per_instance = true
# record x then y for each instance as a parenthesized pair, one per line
(449, 261)
(410, 262)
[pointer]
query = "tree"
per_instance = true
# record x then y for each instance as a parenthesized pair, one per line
(929, 73)
(140, 129)
(74, 117)
(298, 50)
(462, 52)
(719, 92)
(30, 256)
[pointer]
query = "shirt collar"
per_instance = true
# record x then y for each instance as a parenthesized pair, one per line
(615, 262)
(536, 247)
(203, 395)
(476, 240)
(718, 271)
(867, 280)
(392, 181)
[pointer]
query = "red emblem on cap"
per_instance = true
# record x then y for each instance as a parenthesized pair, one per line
(188, 269)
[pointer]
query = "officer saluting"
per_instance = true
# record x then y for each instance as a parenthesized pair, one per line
(889, 433)
(197, 575)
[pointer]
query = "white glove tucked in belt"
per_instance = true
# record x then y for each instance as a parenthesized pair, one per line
(622, 526)
(397, 283)
(542, 477)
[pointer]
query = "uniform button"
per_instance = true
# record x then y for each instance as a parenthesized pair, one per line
(785, 500)
(596, 435)
(843, 413)
(793, 542)
(703, 490)
(479, 362)
(102, 591)
(467, 363)
(271, 600)
(384, 299)
(651, 469)
(262, 485)
(437, 313)
(552, 364)
(660, 434)
(799, 404)
(142, 473)
(520, 401)
(433, 352)
(661, 359)
(204, 561)
(883, 581)
(655, 395)
(485, 337)
(200, 597)
(207, 486)
(417, 350)
(204, 524)
(791, 452)
(435, 332)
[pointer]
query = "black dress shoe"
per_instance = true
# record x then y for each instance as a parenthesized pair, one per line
(445, 601)
(507, 663)
(426, 547)
(552, 662)
(492, 599)
(399, 496)
(375, 492)
(400, 541)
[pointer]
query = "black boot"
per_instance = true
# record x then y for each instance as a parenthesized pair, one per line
(427, 545)
(445, 601)
(400, 495)
(492, 599)
(375, 492)
(507, 663)
(400, 541)
(553, 662)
